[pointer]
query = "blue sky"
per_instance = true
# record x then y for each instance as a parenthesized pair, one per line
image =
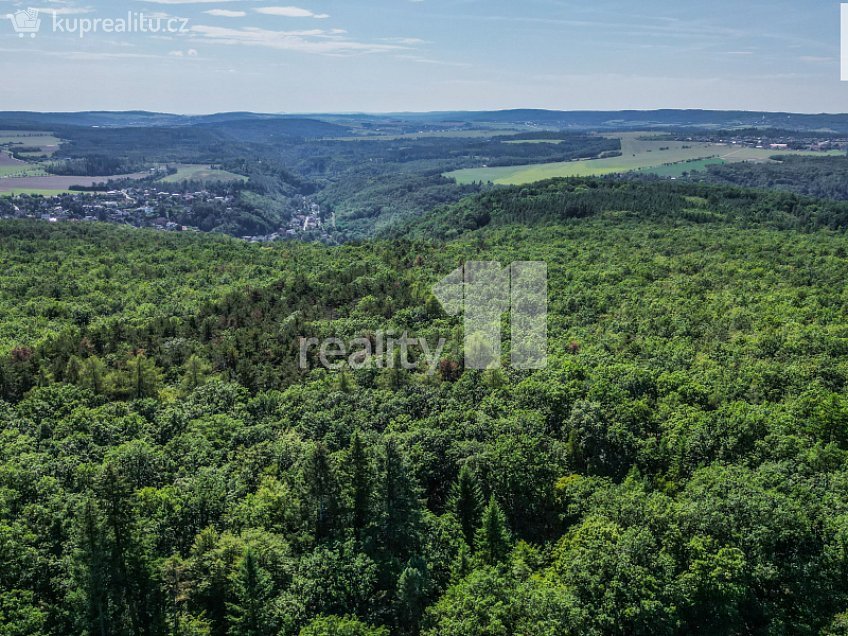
(400, 55)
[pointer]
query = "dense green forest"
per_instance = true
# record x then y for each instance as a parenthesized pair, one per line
(826, 178)
(679, 467)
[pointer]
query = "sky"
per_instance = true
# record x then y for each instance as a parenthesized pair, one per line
(320, 56)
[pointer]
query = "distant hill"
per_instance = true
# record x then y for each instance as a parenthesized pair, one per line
(242, 126)
(327, 124)
(643, 119)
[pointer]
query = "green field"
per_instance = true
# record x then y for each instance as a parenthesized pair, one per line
(197, 172)
(638, 154)
(44, 140)
(22, 170)
(50, 185)
(28, 138)
(11, 168)
(680, 168)
(34, 192)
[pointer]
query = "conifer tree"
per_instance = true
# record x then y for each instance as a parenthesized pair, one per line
(72, 370)
(493, 539)
(401, 506)
(322, 494)
(195, 372)
(143, 378)
(360, 480)
(92, 374)
(466, 502)
(91, 561)
(411, 597)
(249, 614)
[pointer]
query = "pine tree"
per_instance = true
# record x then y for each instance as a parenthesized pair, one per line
(323, 497)
(411, 596)
(144, 379)
(360, 483)
(91, 562)
(6, 380)
(493, 539)
(72, 370)
(462, 565)
(401, 506)
(175, 586)
(92, 374)
(195, 372)
(466, 502)
(249, 615)
(131, 584)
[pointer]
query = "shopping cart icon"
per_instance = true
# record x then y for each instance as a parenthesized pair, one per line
(26, 21)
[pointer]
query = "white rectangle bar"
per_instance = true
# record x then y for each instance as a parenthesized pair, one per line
(845, 42)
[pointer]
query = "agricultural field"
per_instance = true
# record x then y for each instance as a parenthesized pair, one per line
(639, 153)
(15, 174)
(684, 167)
(45, 141)
(197, 172)
(52, 185)
(12, 168)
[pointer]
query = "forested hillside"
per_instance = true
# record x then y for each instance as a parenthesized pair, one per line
(681, 466)
(817, 177)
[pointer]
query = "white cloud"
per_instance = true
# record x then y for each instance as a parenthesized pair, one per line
(225, 13)
(291, 12)
(419, 59)
(315, 41)
(404, 41)
(186, 1)
(63, 10)
(189, 53)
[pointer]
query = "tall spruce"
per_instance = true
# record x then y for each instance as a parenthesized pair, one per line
(91, 570)
(359, 476)
(323, 496)
(252, 590)
(401, 505)
(493, 540)
(466, 502)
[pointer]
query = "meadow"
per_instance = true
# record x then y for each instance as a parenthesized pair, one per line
(50, 185)
(12, 168)
(16, 176)
(45, 141)
(198, 172)
(638, 154)
(683, 167)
